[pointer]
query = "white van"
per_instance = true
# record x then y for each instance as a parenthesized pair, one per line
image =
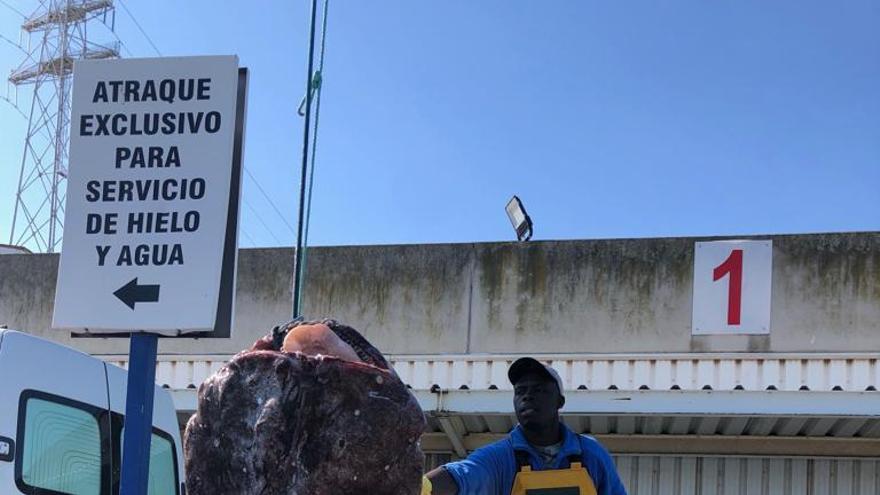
(61, 423)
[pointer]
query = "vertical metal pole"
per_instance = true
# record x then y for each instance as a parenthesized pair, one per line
(297, 271)
(19, 202)
(61, 87)
(138, 414)
(59, 147)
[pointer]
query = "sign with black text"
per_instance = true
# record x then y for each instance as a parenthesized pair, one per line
(732, 287)
(152, 195)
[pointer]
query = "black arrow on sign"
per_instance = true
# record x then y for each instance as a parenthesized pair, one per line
(132, 293)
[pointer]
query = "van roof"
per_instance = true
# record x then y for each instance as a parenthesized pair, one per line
(41, 341)
(37, 342)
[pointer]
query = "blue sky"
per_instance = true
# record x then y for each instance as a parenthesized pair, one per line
(609, 119)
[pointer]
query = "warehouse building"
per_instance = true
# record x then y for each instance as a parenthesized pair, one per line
(704, 371)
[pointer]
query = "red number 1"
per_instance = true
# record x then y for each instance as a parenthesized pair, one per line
(733, 265)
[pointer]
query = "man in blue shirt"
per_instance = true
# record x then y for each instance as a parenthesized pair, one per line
(540, 454)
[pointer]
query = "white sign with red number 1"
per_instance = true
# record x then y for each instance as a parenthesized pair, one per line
(732, 287)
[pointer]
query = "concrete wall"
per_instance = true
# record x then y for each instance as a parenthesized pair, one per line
(618, 296)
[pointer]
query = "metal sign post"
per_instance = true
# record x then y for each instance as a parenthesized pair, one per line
(138, 426)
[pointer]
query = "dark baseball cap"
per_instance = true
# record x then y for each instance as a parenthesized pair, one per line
(525, 365)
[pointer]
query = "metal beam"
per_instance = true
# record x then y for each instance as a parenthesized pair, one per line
(452, 434)
(695, 445)
(72, 12)
(60, 66)
(797, 409)
(667, 402)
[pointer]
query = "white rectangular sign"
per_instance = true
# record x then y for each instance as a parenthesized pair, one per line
(732, 287)
(148, 195)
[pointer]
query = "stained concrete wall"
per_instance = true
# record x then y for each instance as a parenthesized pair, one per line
(617, 296)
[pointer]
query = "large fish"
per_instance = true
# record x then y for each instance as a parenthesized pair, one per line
(311, 409)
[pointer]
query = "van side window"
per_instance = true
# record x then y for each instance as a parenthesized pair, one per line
(60, 446)
(163, 476)
(162, 469)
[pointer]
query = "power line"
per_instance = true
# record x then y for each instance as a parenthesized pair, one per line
(125, 47)
(136, 23)
(121, 43)
(260, 218)
(20, 48)
(14, 105)
(4, 2)
(249, 238)
(259, 186)
(269, 199)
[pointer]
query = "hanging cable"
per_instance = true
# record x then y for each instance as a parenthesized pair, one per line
(254, 179)
(121, 43)
(136, 23)
(248, 237)
(20, 48)
(10, 7)
(260, 219)
(269, 199)
(297, 265)
(317, 82)
(125, 47)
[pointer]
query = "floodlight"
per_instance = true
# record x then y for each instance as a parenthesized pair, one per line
(520, 220)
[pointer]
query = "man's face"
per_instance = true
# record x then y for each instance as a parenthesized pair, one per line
(536, 400)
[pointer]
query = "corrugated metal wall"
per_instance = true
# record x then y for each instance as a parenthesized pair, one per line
(845, 372)
(658, 475)
(667, 475)
(853, 372)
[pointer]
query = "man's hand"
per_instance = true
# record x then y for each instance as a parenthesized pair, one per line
(441, 483)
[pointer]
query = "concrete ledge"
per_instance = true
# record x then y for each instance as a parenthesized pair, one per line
(627, 296)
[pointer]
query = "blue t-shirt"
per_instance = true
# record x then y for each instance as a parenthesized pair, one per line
(490, 470)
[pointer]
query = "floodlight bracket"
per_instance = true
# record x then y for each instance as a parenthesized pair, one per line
(523, 227)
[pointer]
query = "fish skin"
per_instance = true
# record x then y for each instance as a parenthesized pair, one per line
(276, 423)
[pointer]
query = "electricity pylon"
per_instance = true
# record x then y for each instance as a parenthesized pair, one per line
(57, 34)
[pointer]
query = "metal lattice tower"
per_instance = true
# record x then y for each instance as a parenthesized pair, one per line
(57, 34)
